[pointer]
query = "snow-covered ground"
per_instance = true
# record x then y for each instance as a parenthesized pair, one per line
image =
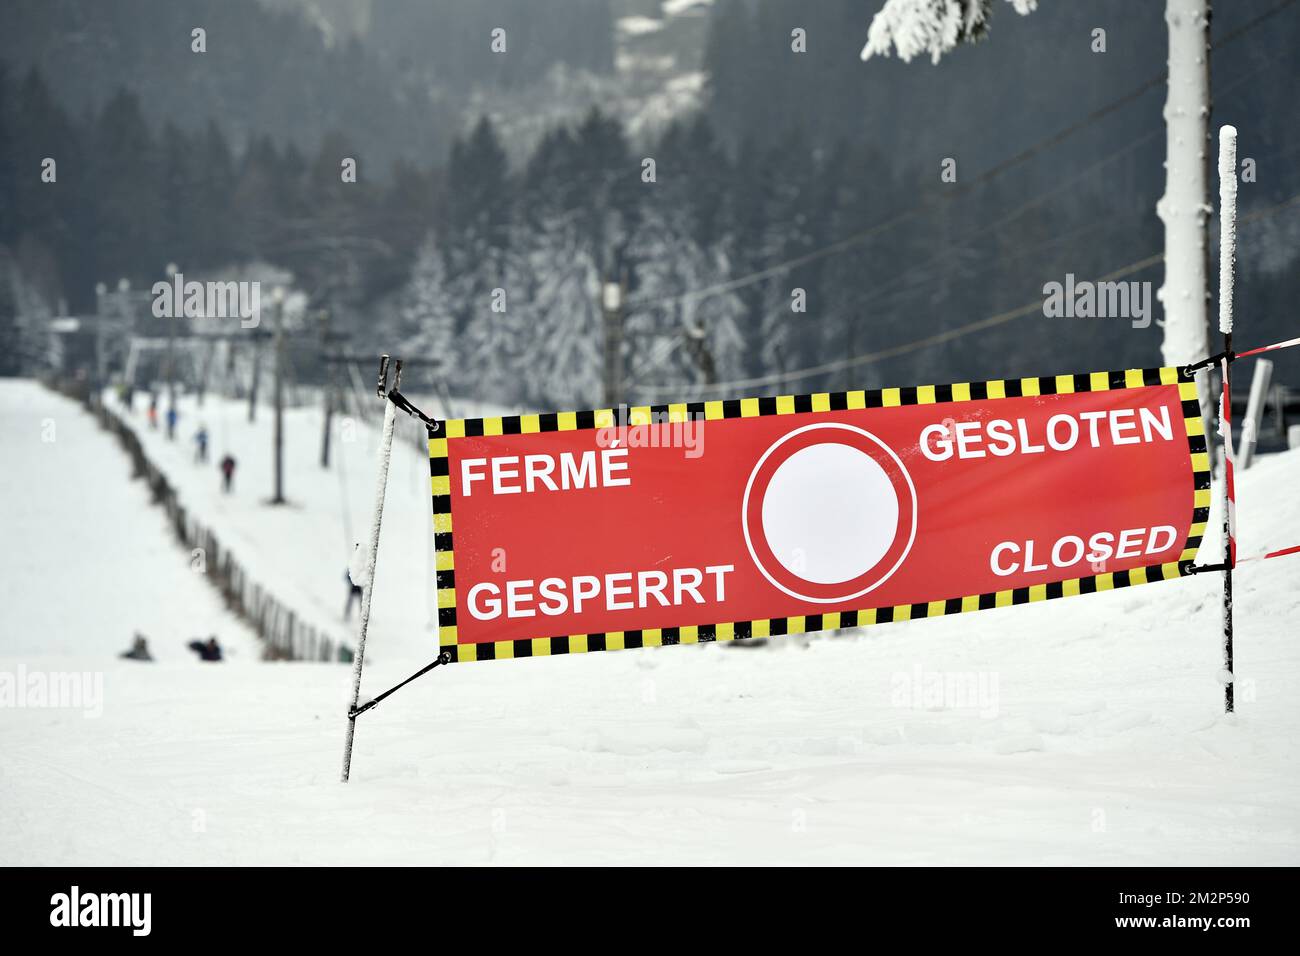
(87, 559)
(302, 550)
(1087, 730)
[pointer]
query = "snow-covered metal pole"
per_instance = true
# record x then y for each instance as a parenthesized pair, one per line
(1227, 223)
(372, 556)
(1184, 208)
(1259, 383)
(1227, 259)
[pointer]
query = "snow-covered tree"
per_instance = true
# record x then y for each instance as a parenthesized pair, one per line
(716, 321)
(935, 27)
(672, 337)
(652, 327)
(496, 338)
(426, 319)
(559, 323)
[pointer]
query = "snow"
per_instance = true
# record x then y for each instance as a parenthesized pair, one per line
(359, 567)
(1087, 730)
(304, 550)
(935, 27)
(675, 8)
(88, 560)
(1227, 223)
(639, 25)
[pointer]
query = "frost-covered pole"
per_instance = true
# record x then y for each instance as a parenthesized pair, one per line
(1259, 383)
(1184, 207)
(368, 585)
(1227, 258)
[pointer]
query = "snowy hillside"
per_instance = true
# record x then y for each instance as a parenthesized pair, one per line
(303, 549)
(1087, 730)
(87, 559)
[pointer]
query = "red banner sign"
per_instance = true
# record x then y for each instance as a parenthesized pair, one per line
(606, 529)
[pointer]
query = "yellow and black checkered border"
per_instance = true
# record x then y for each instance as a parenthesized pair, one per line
(444, 561)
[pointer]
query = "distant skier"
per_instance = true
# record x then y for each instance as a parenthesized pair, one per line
(201, 444)
(153, 412)
(208, 650)
(139, 649)
(227, 473)
(172, 416)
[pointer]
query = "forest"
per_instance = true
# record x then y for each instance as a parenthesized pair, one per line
(762, 245)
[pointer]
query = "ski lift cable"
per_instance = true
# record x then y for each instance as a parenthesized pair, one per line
(931, 340)
(666, 349)
(670, 344)
(937, 338)
(897, 350)
(989, 174)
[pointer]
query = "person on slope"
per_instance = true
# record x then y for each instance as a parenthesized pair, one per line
(208, 650)
(227, 472)
(139, 649)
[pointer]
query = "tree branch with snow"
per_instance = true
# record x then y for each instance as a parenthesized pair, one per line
(935, 27)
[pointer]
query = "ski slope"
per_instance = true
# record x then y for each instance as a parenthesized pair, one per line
(87, 559)
(1082, 731)
(302, 550)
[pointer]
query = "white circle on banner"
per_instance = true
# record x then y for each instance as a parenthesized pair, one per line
(830, 513)
(901, 498)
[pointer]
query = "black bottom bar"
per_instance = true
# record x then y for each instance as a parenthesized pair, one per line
(379, 908)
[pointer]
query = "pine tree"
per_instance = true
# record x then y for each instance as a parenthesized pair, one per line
(478, 188)
(220, 242)
(426, 323)
(182, 222)
(127, 171)
(10, 337)
(8, 165)
(672, 336)
(560, 322)
(52, 225)
(729, 47)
